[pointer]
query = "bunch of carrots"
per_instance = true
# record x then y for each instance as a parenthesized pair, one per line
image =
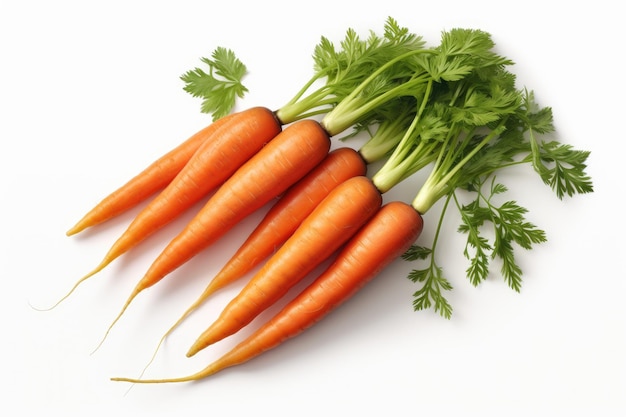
(452, 109)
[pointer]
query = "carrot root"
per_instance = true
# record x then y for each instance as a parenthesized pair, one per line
(134, 294)
(148, 182)
(281, 163)
(387, 235)
(331, 224)
(100, 267)
(286, 215)
(282, 220)
(234, 141)
(194, 377)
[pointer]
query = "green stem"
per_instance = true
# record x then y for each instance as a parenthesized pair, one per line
(440, 181)
(305, 88)
(433, 247)
(301, 108)
(423, 155)
(400, 151)
(354, 106)
(496, 131)
(388, 135)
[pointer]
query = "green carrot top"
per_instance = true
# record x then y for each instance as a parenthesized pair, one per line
(466, 129)
(454, 109)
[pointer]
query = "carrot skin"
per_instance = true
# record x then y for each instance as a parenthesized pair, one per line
(382, 240)
(330, 225)
(213, 163)
(277, 166)
(281, 221)
(287, 214)
(268, 174)
(148, 182)
(234, 142)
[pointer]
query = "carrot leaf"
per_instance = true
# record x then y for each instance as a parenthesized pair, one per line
(416, 252)
(220, 87)
(478, 122)
(434, 283)
(431, 292)
(563, 168)
(347, 67)
(509, 227)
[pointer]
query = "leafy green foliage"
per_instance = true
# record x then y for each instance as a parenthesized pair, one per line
(417, 252)
(493, 231)
(483, 108)
(477, 123)
(455, 107)
(220, 86)
(431, 293)
(563, 168)
(461, 53)
(559, 165)
(465, 87)
(509, 227)
(474, 216)
(347, 67)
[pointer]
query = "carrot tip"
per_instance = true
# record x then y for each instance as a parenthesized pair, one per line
(158, 381)
(73, 231)
(143, 381)
(206, 372)
(131, 380)
(74, 287)
(195, 348)
(124, 307)
(202, 342)
(79, 227)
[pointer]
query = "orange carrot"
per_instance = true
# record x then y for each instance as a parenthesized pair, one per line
(284, 218)
(148, 182)
(286, 215)
(280, 222)
(383, 239)
(269, 173)
(236, 141)
(331, 224)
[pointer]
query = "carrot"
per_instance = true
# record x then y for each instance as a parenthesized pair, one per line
(383, 239)
(282, 220)
(234, 143)
(221, 84)
(331, 224)
(277, 166)
(469, 120)
(152, 179)
(286, 215)
(345, 99)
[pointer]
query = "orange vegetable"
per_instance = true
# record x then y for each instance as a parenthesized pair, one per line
(331, 224)
(284, 218)
(383, 239)
(269, 173)
(236, 141)
(151, 180)
(286, 215)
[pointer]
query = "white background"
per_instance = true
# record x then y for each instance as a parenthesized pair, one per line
(90, 94)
